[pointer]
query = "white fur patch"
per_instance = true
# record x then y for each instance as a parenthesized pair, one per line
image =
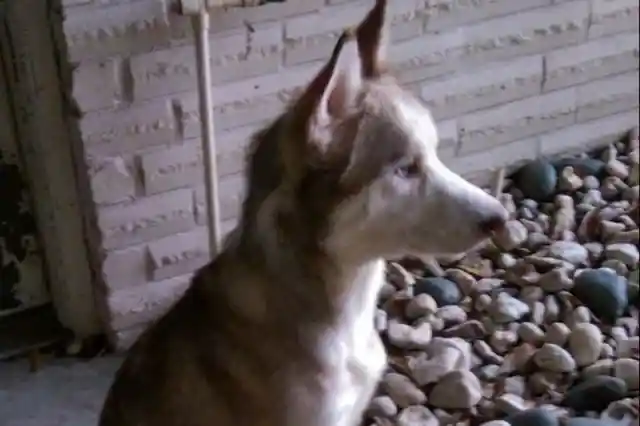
(355, 350)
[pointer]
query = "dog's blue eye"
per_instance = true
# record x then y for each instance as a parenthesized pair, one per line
(409, 170)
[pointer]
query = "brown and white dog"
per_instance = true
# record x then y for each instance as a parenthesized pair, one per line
(278, 329)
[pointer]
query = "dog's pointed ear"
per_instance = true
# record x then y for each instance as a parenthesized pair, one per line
(337, 88)
(373, 39)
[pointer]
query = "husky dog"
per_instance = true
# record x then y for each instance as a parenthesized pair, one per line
(278, 329)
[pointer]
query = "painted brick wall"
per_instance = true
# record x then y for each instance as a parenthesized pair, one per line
(507, 80)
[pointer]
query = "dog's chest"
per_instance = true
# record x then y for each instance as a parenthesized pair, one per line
(354, 354)
(353, 376)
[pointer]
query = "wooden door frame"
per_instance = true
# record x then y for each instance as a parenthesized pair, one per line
(44, 131)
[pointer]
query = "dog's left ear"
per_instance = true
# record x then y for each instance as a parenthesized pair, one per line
(359, 55)
(373, 39)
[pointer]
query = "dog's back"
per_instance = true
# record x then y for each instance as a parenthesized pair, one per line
(278, 329)
(206, 362)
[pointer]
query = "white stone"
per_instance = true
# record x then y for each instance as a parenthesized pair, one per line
(557, 333)
(506, 308)
(624, 252)
(513, 236)
(417, 415)
(421, 305)
(402, 390)
(459, 389)
(628, 369)
(585, 344)
(569, 251)
(553, 358)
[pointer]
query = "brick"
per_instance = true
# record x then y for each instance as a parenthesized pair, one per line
(608, 96)
(496, 84)
(229, 117)
(159, 259)
(591, 134)
(67, 3)
(231, 191)
(146, 219)
(232, 162)
(517, 120)
(171, 168)
(613, 16)
(179, 254)
(238, 139)
(138, 305)
(163, 72)
(125, 268)
(427, 56)
(235, 55)
(96, 85)
(591, 60)
(524, 33)
(257, 110)
(311, 37)
(446, 153)
(504, 155)
(407, 21)
(529, 32)
(100, 31)
(484, 178)
(233, 17)
(111, 132)
(246, 103)
(178, 166)
(444, 14)
(250, 53)
(111, 181)
(447, 134)
(276, 83)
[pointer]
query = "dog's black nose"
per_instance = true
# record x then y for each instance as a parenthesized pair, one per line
(494, 223)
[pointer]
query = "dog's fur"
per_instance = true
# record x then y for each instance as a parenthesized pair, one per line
(278, 329)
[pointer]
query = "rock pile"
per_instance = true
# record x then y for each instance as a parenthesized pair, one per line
(540, 328)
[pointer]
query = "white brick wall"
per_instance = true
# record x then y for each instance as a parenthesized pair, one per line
(507, 80)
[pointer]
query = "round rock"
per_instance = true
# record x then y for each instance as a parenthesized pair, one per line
(586, 421)
(534, 417)
(459, 389)
(585, 344)
(444, 292)
(628, 369)
(553, 358)
(382, 406)
(506, 308)
(582, 166)
(603, 292)
(402, 390)
(626, 253)
(537, 180)
(569, 251)
(595, 393)
(417, 415)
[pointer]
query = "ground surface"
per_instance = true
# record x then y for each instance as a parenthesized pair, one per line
(64, 392)
(539, 328)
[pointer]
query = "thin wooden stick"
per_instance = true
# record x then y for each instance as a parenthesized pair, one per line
(498, 183)
(201, 26)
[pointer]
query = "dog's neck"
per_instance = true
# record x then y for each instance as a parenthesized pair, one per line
(329, 287)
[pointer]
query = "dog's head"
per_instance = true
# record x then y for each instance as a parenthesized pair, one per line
(357, 157)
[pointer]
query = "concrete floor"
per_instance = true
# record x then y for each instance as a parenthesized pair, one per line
(64, 392)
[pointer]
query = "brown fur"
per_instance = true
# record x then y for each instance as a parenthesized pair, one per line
(215, 357)
(253, 320)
